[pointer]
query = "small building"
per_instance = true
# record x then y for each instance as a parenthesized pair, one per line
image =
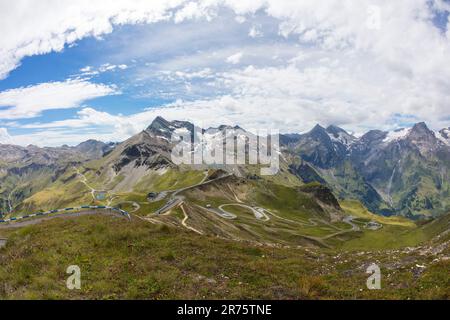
(152, 195)
(372, 225)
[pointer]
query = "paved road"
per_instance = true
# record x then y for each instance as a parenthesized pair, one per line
(257, 211)
(175, 199)
(169, 205)
(260, 213)
(348, 220)
(221, 213)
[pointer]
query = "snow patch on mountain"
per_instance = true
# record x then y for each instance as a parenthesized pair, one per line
(337, 134)
(343, 138)
(397, 135)
(444, 136)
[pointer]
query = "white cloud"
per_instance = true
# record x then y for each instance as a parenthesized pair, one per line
(91, 71)
(48, 25)
(86, 69)
(28, 102)
(235, 58)
(255, 32)
(194, 10)
(5, 138)
(32, 28)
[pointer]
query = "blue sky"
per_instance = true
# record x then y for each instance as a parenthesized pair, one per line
(94, 70)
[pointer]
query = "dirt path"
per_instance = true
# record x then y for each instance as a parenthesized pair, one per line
(234, 194)
(185, 219)
(83, 179)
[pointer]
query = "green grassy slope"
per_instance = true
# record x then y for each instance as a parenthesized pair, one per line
(397, 232)
(121, 259)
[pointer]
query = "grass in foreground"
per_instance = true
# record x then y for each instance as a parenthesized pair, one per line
(138, 260)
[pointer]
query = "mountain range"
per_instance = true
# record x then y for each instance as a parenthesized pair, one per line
(404, 172)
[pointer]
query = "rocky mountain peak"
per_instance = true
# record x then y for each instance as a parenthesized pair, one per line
(340, 135)
(163, 128)
(318, 133)
(419, 135)
(318, 128)
(159, 123)
(420, 130)
(93, 148)
(423, 138)
(373, 135)
(335, 129)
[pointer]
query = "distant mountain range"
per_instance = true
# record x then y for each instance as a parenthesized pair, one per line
(403, 172)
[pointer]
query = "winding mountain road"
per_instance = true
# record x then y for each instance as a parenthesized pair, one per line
(83, 179)
(175, 199)
(257, 211)
(348, 220)
(262, 214)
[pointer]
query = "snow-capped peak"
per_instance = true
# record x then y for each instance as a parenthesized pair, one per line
(340, 135)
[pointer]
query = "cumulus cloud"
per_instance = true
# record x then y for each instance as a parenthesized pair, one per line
(32, 28)
(5, 138)
(31, 101)
(235, 58)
